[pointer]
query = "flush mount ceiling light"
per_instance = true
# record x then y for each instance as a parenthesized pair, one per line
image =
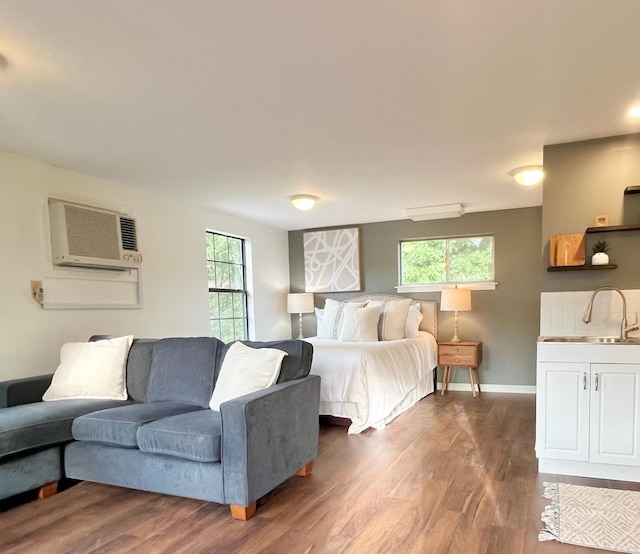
(634, 111)
(528, 175)
(304, 202)
(435, 212)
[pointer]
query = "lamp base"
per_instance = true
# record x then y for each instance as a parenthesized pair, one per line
(455, 338)
(300, 337)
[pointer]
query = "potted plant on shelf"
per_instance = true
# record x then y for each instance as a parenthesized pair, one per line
(600, 256)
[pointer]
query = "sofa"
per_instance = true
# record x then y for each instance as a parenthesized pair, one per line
(164, 437)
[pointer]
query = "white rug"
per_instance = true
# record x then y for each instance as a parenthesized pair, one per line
(588, 516)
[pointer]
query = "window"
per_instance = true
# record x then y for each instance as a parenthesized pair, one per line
(446, 260)
(227, 287)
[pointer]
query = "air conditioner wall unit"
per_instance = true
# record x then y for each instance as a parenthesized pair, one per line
(85, 236)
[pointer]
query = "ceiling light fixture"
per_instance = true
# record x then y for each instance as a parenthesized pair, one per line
(528, 175)
(435, 212)
(634, 111)
(304, 202)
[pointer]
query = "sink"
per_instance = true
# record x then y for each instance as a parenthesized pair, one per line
(592, 340)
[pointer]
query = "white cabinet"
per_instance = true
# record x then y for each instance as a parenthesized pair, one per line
(615, 414)
(562, 411)
(588, 412)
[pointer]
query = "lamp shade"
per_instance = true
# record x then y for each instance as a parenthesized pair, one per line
(300, 303)
(455, 300)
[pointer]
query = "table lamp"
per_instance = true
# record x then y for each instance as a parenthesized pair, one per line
(300, 303)
(455, 300)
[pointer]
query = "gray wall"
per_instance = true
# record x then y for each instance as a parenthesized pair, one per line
(506, 320)
(584, 179)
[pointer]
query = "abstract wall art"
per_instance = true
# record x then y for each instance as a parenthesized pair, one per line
(332, 260)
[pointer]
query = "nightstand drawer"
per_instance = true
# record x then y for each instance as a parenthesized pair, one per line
(466, 359)
(458, 354)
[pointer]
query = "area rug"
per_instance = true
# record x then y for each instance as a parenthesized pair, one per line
(588, 516)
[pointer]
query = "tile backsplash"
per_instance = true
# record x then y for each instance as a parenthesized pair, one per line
(561, 313)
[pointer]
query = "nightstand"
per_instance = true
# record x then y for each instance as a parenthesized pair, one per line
(467, 354)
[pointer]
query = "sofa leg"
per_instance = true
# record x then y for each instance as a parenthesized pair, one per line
(305, 470)
(48, 490)
(243, 513)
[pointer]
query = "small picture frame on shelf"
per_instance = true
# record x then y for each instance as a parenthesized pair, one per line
(601, 220)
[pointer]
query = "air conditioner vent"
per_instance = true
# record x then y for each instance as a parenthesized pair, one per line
(128, 232)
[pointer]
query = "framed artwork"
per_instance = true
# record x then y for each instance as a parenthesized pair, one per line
(601, 220)
(332, 260)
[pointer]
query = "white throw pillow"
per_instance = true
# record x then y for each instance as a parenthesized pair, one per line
(319, 318)
(332, 318)
(91, 370)
(412, 325)
(393, 316)
(244, 370)
(359, 324)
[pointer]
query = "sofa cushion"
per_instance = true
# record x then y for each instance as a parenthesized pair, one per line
(91, 370)
(194, 436)
(41, 424)
(118, 426)
(182, 370)
(296, 364)
(139, 367)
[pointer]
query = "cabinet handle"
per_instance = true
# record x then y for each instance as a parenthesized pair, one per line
(584, 381)
(597, 381)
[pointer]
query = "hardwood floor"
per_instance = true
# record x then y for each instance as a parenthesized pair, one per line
(454, 474)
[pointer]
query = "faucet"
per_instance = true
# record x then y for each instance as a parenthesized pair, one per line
(625, 329)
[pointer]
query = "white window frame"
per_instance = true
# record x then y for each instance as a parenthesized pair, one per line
(246, 281)
(436, 287)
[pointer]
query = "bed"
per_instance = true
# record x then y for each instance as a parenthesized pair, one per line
(371, 383)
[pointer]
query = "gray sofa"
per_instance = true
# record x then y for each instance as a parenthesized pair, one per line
(165, 438)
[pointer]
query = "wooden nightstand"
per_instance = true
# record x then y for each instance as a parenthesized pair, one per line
(463, 354)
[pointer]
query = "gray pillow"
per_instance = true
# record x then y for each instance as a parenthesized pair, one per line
(182, 370)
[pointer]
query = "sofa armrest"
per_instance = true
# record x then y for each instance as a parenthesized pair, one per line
(24, 391)
(267, 436)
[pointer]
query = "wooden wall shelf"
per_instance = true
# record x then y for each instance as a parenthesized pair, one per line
(612, 228)
(581, 267)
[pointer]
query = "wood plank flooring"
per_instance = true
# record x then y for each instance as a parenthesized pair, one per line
(454, 474)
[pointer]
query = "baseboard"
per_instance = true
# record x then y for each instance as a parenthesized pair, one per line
(512, 389)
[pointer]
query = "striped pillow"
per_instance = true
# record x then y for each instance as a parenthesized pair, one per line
(329, 328)
(393, 316)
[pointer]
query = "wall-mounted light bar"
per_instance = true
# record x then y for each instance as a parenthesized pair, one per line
(435, 212)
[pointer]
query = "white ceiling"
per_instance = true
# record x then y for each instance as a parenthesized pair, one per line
(374, 106)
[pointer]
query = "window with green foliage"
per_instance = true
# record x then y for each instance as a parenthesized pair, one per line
(227, 287)
(446, 260)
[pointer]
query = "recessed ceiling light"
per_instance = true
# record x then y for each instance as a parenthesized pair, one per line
(304, 202)
(634, 111)
(528, 175)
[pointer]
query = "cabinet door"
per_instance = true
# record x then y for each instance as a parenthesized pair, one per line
(562, 411)
(615, 414)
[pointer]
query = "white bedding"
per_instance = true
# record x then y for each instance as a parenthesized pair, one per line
(373, 382)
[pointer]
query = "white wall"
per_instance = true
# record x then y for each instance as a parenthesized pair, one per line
(171, 237)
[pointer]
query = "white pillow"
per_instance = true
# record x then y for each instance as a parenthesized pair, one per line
(412, 325)
(393, 316)
(359, 324)
(319, 318)
(244, 370)
(91, 370)
(332, 318)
